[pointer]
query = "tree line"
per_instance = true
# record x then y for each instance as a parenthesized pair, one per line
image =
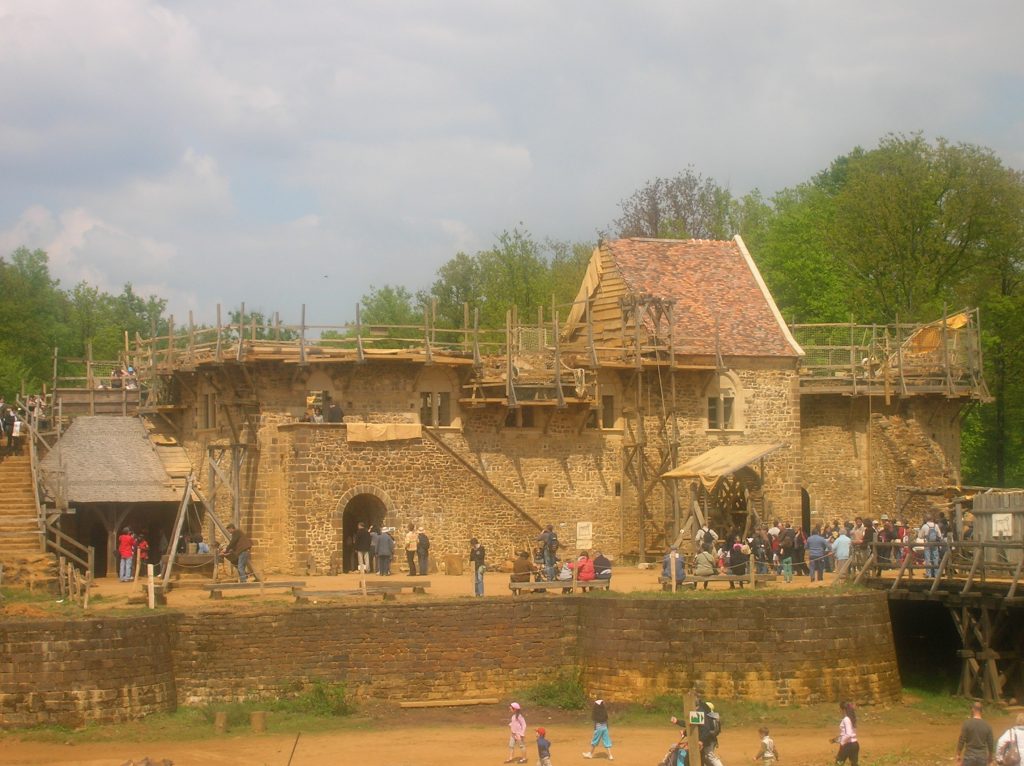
(899, 232)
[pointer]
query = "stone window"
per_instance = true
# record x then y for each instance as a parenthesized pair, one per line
(606, 416)
(435, 390)
(724, 403)
(207, 416)
(542, 490)
(519, 417)
(436, 408)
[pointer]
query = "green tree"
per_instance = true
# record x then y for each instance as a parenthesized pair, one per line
(683, 206)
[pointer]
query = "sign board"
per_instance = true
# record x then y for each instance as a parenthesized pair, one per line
(584, 534)
(695, 718)
(1002, 524)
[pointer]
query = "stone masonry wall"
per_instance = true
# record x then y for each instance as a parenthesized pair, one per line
(781, 650)
(395, 652)
(912, 443)
(85, 671)
(776, 650)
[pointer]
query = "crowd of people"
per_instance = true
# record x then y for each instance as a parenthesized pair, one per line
(785, 551)
(14, 419)
(976, 745)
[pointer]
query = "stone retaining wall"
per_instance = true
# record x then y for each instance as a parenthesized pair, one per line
(778, 650)
(76, 671)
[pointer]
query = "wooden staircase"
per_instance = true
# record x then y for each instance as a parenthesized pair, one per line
(23, 560)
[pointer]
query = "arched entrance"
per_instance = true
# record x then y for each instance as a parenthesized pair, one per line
(364, 507)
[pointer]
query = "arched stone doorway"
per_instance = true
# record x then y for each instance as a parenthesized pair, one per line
(361, 504)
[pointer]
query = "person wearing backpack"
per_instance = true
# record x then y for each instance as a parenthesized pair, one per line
(708, 734)
(1011, 744)
(930, 533)
(548, 540)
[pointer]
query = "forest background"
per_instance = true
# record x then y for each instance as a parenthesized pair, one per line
(900, 232)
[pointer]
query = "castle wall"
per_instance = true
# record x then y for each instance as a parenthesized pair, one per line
(913, 442)
(782, 649)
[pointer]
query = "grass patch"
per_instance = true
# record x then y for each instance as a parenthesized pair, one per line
(321, 706)
(564, 692)
(717, 591)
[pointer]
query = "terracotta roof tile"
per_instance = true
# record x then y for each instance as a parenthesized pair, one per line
(709, 280)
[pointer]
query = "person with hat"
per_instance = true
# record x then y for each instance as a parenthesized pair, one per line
(543, 747)
(517, 734)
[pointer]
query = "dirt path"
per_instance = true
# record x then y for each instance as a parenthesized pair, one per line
(922, 744)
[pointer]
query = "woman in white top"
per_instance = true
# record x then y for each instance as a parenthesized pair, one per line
(1011, 741)
(849, 748)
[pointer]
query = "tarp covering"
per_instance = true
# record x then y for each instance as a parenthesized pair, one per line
(383, 432)
(718, 462)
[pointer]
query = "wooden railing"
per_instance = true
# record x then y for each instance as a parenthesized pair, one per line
(896, 359)
(962, 565)
(51, 538)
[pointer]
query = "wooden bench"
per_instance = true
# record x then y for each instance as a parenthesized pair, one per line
(217, 589)
(666, 584)
(387, 589)
(546, 585)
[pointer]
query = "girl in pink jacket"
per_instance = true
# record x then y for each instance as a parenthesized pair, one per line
(517, 734)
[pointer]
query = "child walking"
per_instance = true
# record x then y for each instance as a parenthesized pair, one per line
(599, 715)
(517, 734)
(543, 747)
(768, 755)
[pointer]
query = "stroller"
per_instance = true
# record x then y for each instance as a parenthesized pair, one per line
(678, 754)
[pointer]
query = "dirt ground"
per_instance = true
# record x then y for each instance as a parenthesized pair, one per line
(189, 593)
(439, 742)
(474, 735)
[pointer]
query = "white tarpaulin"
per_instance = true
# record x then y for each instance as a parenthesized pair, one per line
(717, 462)
(383, 432)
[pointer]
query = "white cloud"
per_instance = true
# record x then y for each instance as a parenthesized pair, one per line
(235, 151)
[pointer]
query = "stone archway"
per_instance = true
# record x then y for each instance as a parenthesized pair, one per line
(364, 503)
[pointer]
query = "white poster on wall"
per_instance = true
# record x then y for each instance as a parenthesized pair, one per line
(1002, 524)
(584, 534)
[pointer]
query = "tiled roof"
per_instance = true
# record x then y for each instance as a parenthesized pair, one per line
(710, 280)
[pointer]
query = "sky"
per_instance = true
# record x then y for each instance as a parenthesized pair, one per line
(297, 153)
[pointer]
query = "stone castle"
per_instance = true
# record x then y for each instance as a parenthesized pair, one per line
(669, 392)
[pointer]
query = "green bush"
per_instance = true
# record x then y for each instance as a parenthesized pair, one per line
(321, 699)
(564, 692)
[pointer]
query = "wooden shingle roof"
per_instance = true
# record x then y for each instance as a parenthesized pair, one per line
(108, 459)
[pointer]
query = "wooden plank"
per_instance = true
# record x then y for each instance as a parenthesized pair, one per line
(450, 702)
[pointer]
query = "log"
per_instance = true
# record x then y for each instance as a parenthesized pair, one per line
(450, 703)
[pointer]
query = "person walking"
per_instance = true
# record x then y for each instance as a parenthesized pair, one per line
(476, 558)
(543, 747)
(363, 541)
(931, 534)
(517, 734)
(1011, 744)
(849, 748)
(768, 755)
(841, 551)
(975, 747)
(599, 715)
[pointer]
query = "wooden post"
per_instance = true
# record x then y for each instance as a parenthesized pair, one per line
(239, 353)
(558, 358)
(151, 586)
(302, 336)
(191, 338)
(220, 722)
(692, 731)
(220, 333)
(258, 721)
(360, 352)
